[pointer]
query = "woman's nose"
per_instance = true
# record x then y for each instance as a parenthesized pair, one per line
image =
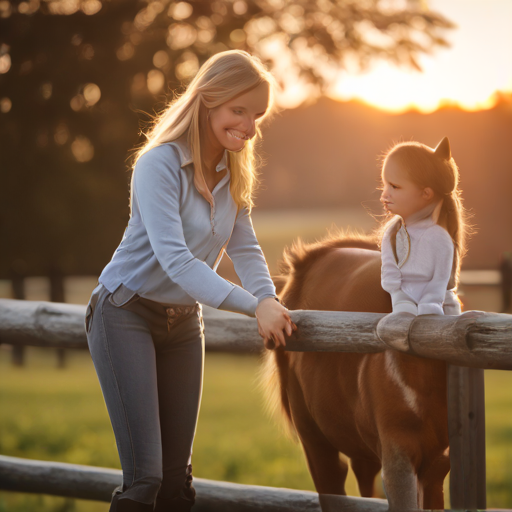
(250, 129)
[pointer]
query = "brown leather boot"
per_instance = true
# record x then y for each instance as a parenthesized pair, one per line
(128, 505)
(181, 503)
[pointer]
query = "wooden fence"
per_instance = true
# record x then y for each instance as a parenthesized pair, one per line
(472, 341)
(94, 483)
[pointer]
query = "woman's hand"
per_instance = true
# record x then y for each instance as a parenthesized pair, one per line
(273, 321)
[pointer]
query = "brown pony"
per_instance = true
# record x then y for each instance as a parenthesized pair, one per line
(386, 410)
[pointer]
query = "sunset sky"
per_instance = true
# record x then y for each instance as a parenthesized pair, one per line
(478, 63)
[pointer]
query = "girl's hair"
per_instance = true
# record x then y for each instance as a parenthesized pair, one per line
(435, 168)
(221, 78)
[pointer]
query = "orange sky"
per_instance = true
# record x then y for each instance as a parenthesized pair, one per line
(478, 63)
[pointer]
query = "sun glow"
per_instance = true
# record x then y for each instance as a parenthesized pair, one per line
(398, 91)
(470, 75)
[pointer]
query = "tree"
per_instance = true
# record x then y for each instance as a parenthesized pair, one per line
(77, 76)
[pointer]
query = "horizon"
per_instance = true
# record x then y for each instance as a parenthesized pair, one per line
(497, 99)
(472, 73)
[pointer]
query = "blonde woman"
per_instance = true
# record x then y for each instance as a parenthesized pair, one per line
(191, 199)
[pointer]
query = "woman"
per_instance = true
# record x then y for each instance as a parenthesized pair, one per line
(191, 198)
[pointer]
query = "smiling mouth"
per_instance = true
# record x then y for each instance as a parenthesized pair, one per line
(238, 135)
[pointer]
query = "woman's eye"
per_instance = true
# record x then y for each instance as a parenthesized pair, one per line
(394, 186)
(239, 112)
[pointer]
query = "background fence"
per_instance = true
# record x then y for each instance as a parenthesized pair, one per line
(475, 340)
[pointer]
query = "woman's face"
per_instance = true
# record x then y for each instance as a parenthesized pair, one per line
(234, 122)
(399, 194)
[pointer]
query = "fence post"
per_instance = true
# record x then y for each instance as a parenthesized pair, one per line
(18, 292)
(466, 430)
(57, 294)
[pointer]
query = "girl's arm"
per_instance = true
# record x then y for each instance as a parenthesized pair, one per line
(437, 246)
(156, 189)
(391, 278)
(451, 304)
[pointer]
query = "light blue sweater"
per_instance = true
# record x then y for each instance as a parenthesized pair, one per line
(175, 239)
(417, 277)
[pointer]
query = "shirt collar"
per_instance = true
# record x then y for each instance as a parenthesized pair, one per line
(186, 155)
(186, 159)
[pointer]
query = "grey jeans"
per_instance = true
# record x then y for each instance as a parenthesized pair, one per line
(152, 390)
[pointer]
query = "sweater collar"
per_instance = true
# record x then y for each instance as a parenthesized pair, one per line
(185, 154)
(425, 217)
(417, 224)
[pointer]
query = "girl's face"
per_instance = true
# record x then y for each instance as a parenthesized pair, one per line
(234, 122)
(400, 195)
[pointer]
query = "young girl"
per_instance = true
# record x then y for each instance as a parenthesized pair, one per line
(191, 198)
(424, 242)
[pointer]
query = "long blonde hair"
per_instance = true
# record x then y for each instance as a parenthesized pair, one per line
(221, 78)
(436, 168)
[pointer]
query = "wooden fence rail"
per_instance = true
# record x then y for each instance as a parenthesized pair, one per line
(86, 482)
(474, 339)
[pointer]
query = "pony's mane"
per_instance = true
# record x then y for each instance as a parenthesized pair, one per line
(297, 258)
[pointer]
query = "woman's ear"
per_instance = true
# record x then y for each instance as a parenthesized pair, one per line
(428, 194)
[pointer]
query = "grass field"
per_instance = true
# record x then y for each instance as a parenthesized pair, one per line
(59, 415)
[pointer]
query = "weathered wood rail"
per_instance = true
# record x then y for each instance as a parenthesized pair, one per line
(474, 340)
(94, 483)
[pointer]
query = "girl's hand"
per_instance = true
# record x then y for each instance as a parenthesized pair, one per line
(273, 321)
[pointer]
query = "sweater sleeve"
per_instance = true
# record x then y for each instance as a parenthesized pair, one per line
(391, 278)
(156, 188)
(437, 245)
(248, 259)
(451, 304)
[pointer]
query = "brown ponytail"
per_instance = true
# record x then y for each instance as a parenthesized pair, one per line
(453, 218)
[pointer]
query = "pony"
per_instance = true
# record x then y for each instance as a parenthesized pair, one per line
(383, 410)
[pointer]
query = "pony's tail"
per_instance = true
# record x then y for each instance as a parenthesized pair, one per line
(273, 378)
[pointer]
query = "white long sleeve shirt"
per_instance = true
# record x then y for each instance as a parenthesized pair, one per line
(177, 234)
(417, 278)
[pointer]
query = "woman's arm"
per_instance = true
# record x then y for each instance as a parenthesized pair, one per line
(156, 189)
(251, 267)
(248, 259)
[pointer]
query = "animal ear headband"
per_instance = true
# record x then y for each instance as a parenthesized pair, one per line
(443, 149)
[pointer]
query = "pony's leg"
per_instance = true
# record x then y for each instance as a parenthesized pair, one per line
(365, 470)
(399, 479)
(431, 483)
(327, 469)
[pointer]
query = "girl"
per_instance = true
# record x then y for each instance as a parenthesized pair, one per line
(191, 198)
(424, 242)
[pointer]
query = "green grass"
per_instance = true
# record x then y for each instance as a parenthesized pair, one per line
(59, 415)
(498, 425)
